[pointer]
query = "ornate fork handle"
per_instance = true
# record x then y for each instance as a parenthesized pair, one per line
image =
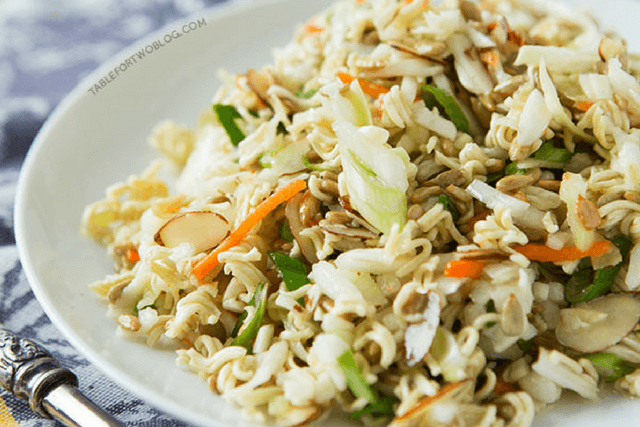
(29, 372)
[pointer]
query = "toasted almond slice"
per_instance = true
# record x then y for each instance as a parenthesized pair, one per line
(419, 336)
(598, 324)
(202, 230)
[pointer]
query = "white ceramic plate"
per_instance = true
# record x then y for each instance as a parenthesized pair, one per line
(92, 141)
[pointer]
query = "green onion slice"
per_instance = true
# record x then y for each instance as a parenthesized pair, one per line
(436, 97)
(249, 333)
(355, 379)
(226, 115)
(285, 232)
(586, 284)
(293, 271)
(448, 205)
(549, 153)
(610, 367)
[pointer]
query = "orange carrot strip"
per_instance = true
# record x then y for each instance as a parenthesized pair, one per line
(261, 211)
(471, 268)
(312, 28)
(584, 105)
(176, 204)
(425, 4)
(543, 253)
(133, 255)
(430, 399)
(360, 1)
(374, 90)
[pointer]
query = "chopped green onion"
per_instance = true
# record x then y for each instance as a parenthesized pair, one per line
(489, 325)
(513, 169)
(493, 177)
(382, 408)
(586, 284)
(262, 163)
(491, 306)
(448, 205)
(312, 166)
(549, 153)
(285, 232)
(436, 97)
(249, 333)
(525, 346)
(226, 115)
(293, 271)
(306, 94)
(610, 367)
(355, 379)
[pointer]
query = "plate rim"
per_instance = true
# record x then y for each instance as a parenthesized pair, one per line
(219, 11)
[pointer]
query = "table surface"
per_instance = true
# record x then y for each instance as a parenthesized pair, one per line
(46, 48)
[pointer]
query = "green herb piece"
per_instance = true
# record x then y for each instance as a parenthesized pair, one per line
(262, 163)
(525, 346)
(489, 325)
(610, 367)
(448, 205)
(493, 177)
(306, 94)
(549, 153)
(355, 379)
(586, 284)
(382, 408)
(312, 166)
(491, 306)
(446, 104)
(293, 271)
(248, 334)
(379, 406)
(513, 169)
(285, 232)
(226, 115)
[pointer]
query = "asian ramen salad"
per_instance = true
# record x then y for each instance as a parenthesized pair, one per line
(423, 214)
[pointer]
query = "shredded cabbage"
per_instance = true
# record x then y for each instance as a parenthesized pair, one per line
(376, 174)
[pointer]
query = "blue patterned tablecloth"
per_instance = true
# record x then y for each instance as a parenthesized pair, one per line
(46, 48)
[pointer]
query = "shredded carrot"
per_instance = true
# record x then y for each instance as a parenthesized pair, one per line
(470, 268)
(133, 255)
(176, 204)
(543, 253)
(584, 105)
(503, 387)
(430, 399)
(490, 58)
(492, 26)
(425, 3)
(360, 1)
(261, 211)
(374, 90)
(312, 28)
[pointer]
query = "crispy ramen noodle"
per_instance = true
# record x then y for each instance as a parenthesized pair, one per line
(439, 142)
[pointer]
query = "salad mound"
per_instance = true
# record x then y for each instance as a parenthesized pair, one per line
(421, 213)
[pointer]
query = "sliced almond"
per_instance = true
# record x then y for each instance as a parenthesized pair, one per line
(419, 336)
(598, 324)
(202, 230)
